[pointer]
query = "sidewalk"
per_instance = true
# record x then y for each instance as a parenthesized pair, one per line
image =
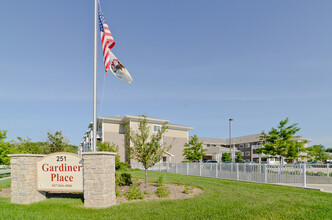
(321, 187)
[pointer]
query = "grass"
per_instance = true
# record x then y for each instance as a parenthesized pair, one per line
(221, 199)
(5, 184)
(4, 175)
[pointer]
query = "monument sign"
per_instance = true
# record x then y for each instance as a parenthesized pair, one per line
(60, 172)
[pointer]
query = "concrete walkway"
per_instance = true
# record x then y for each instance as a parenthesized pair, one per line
(4, 171)
(5, 178)
(321, 187)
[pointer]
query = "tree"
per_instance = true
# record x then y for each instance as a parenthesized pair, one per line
(146, 148)
(5, 148)
(328, 150)
(57, 143)
(226, 157)
(317, 153)
(238, 158)
(278, 141)
(193, 149)
(25, 146)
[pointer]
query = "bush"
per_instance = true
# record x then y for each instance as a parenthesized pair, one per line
(160, 181)
(121, 166)
(123, 180)
(188, 189)
(146, 192)
(118, 193)
(162, 191)
(134, 192)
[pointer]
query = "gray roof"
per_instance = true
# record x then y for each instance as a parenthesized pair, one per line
(211, 140)
(123, 119)
(239, 140)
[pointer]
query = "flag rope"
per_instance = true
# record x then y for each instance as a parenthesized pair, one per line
(102, 97)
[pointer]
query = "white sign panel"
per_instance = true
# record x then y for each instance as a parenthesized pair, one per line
(60, 172)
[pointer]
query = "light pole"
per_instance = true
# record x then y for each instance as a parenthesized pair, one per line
(230, 138)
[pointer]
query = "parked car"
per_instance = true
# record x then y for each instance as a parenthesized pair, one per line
(299, 164)
(210, 161)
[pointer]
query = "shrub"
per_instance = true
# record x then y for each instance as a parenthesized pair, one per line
(121, 166)
(188, 189)
(160, 181)
(162, 191)
(146, 192)
(118, 193)
(134, 192)
(126, 177)
(123, 180)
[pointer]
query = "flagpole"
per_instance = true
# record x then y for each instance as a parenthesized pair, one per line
(94, 142)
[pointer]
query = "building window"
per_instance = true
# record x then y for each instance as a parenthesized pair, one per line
(247, 153)
(164, 159)
(156, 128)
(247, 145)
(208, 145)
(241, 146)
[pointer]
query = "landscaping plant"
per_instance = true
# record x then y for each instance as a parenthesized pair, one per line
(134, 192)
(162, 191)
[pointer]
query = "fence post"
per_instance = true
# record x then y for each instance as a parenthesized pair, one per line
(176, 168)
(265, 173)
(304, 175)
(187, 168)
(216, 170)
(200, 169)
(328, 170)
(237, 172)
(159, 167)
(166, 167)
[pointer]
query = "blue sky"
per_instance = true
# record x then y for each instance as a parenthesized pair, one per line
(195, 63)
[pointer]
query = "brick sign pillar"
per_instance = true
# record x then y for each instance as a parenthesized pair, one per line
(24, 182)
(99, 179)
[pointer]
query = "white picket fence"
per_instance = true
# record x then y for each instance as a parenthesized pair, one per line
(262, 173)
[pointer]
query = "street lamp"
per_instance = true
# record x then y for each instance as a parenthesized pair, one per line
(230, 138)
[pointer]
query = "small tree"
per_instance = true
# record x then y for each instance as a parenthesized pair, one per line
(238, 158)
(278, 141)
(317, 153)
(146, 149)
(193, 150)
(226, 157)
(57, 142)
(5, 148)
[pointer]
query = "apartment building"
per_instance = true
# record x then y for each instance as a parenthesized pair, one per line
(246, 145)
(112, 130)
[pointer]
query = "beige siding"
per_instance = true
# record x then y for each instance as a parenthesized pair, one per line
(177, 148)
(118, 139)
(176, 133)
(116, 128)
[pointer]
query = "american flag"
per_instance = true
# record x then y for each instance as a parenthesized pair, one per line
(107, 40)
(110, 60)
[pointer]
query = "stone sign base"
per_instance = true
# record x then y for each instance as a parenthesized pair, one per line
(24, 180)
(98, 179)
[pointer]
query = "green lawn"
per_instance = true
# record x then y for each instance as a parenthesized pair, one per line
(4, 175)
(221, 199)
(4, 184)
